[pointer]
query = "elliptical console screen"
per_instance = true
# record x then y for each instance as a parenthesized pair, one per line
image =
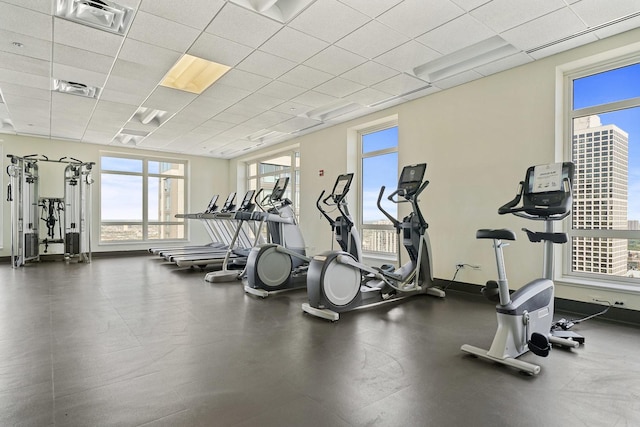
(411, 177)
(246, 202)
(341, 187)
(278, 189)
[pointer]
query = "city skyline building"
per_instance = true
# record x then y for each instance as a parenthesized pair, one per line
(600, 153)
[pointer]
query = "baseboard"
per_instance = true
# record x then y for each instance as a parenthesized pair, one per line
(110, 254)
(578, 308)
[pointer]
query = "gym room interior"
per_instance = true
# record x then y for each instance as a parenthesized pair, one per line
(478, 90)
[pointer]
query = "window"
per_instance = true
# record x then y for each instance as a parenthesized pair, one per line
(378, 167)
(139, 198)
(263, 173)
(604, 120)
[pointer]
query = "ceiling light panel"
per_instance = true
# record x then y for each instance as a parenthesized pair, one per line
(233, 21)
(193, 74)
(102, 14)
(280, 10)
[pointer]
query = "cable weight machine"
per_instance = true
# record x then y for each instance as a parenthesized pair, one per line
(66, 219)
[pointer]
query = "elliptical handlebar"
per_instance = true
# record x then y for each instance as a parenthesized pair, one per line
(393, 220)
(323, 212)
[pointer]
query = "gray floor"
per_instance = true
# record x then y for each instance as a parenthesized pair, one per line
(130, 342)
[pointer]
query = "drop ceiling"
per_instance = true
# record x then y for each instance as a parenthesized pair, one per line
(296, 65)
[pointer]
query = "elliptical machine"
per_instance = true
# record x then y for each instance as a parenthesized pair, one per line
(525, 317)
(274, 267)
(337, 282)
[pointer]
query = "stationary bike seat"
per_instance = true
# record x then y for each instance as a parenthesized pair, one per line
(502, 234)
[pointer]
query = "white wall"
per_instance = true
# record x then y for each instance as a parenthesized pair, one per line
(477, 139)
(206, 177)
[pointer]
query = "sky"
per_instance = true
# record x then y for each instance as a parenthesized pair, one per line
(378, 171)
(611, 86)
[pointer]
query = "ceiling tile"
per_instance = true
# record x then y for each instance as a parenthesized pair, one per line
(620, 27)
(270, 118)
(368, 96)
(371, 8)
(265, 64)
(335, 60)
(225, 93)
(242, 26)
(243, 80)
(72, 74)
(596, 12)
(137, 72)
(370, 73)
(134, 87)
(87, 38)
(13, 18)
(162, 32)
(217, 49)
(293, 45)
(245, 109)
(31, 46)
(74, 57)
(328, 20)
(167, 99)
(552, 27)
(262, 101)
(471, 4)
(339, 87)
(24, 79)
(415, 17)
(11, 61)
(29, 92)
(97, 137)
(150, 55)
(230, 117)
(400, 84)
(408, 56)
(124, 97)
(372, 39)
(314, 99)
(501, 15)
(306, 77)
(21, 101)
(116, 108)
(296, 124)
(281, 90)
(292, 108)
(194, 13)
(456, 34)
(43, 6)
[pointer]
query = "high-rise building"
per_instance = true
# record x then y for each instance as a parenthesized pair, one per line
(600, 153)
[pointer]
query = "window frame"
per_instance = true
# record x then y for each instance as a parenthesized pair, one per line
(392, 256)
(570, 73)
(145, 223)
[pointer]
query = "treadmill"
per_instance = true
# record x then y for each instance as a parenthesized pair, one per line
(242, 236)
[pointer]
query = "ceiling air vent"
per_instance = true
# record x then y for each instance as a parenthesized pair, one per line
(130, 136)
(150, 116)
(74, 88)
(280, 10)
(101, 14)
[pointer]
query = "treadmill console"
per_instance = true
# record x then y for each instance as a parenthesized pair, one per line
(228, 204)
(212, 207)
(411, 179)
(341, 187)
(279, 188)
(246, 202)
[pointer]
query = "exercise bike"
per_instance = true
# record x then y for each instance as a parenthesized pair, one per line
(525, 317)
(275, 267)
(337, 282)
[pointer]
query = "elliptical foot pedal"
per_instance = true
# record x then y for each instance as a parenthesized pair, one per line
(539, 344)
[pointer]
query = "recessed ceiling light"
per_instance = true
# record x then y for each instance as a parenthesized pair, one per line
(150, 116)
(193, 74)
(101, 14)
